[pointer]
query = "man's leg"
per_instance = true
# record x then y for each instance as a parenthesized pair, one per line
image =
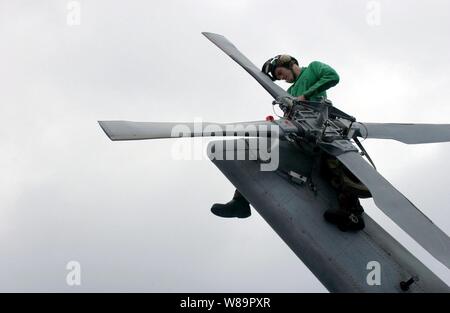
(237, 207)
(349, 214)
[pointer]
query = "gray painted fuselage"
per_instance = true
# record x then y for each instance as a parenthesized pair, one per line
(338, 259)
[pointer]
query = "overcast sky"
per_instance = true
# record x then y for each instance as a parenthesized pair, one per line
(136, 219)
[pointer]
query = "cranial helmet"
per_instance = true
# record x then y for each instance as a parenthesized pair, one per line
(283, 60)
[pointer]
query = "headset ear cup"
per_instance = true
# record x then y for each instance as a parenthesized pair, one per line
(268, 68)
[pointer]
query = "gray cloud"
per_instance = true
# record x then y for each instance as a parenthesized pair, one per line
(136, 219)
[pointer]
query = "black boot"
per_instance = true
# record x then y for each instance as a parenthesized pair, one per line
(351, 203)
(349, 215)
(237, 207)
(344, 220)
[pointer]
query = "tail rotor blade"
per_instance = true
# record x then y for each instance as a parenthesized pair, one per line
(126, 130)
(399, 208)
(226, 46)
(406, 133)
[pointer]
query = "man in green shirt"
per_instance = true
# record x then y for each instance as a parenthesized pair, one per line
(308, 83)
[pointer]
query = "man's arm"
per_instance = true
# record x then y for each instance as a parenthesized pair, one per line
(327, 78)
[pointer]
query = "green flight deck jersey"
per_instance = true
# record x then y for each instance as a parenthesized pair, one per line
(313, 81)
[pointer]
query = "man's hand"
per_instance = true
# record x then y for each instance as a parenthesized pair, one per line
(301, 98)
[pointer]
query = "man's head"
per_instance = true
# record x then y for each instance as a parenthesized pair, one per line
(281, 67)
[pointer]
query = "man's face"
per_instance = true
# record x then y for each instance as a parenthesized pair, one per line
(283, 73)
